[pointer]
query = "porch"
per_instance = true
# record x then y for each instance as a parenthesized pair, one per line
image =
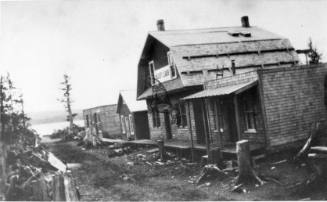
(184, 149)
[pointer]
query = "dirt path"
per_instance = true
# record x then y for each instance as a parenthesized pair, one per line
(121, 178)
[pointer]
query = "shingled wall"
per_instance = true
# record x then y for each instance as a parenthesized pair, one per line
(293, 99)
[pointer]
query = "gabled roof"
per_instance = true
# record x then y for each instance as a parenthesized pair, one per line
(196, 50)
(101, 107)
(128, 97)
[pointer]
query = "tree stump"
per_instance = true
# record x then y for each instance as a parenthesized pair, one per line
(246, 174)
(162, 151)
(215, 156)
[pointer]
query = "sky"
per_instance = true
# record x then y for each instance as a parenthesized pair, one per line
(98, 42)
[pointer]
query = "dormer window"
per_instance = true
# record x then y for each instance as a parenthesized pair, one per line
(151, 70)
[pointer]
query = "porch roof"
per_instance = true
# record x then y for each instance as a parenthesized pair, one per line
(226, 90)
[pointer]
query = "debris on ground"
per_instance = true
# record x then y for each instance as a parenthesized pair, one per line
(210, 172)
(33, 174)
(279, 162)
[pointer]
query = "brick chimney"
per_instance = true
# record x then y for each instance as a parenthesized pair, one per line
(161, 25)
(245, 21)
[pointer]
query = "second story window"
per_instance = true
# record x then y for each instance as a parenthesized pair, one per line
(172, 65)
(151, 71)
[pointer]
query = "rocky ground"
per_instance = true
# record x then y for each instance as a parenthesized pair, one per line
(139, 176)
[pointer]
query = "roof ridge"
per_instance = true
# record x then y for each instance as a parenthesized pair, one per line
(199, 29)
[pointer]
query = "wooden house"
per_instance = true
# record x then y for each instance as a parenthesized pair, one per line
(216, 86)
(103, 118)
(133, 115)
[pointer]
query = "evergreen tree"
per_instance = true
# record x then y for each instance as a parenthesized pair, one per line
(67, 88)
(314, 55)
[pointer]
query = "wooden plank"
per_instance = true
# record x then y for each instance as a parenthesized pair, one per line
(58, 188)
(317, 156)
(70, 191)
(319, 149)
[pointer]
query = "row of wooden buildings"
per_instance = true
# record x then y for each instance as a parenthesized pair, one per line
(127, 119)
(215, 86)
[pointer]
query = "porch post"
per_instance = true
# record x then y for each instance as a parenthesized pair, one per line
(206, 133)
(237, 118)
(190, 129)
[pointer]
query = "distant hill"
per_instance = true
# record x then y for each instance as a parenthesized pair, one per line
(52, 116)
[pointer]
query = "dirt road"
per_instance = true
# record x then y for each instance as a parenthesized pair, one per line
(124, 178)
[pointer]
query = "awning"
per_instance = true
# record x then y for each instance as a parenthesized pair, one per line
(226, 90)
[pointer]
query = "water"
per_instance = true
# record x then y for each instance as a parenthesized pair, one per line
(49, 128)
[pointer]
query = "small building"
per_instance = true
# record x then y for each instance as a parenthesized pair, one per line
(103, 118)
(216, 86)
(133, 115)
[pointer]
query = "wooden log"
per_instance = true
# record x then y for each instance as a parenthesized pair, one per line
(58, 188)
(246, 174)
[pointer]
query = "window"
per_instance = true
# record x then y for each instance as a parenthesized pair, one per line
(151, 70)
(122, 124)
(127, 124)
(181, 117)
(131, 124)
(87, 121)
(172, 65)
(249, 114)
(155, 119)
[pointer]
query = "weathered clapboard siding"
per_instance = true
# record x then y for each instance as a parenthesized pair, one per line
(293, 99)
(109, 121)
(178, 133)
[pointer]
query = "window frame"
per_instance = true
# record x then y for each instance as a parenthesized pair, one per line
(151, 72)
(155, 119)
(249, 113)
(181, 115)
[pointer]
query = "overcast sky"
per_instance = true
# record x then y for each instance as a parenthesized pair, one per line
(98, 42)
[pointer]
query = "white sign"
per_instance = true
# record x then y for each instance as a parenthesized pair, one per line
(163, 74)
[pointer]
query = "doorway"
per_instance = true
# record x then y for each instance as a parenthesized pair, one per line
(199, 124)
(229, 125)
